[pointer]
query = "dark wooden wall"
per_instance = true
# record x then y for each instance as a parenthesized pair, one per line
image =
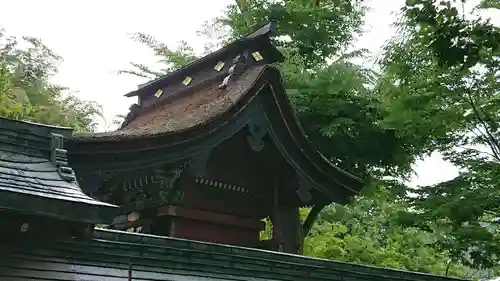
(239, 182)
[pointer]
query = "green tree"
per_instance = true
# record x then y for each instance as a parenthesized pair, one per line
(169, 58)
(440, 84)
(27, 94)
(315, 30)
(333, 97)
(367, 232)
(341, 115)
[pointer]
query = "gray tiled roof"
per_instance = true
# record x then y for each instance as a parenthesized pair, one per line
(31, 183)
(111, 255)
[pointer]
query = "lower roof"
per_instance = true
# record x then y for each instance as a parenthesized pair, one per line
(32, 183)
(112, 255)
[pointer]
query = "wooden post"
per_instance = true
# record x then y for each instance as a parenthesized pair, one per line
(277, 226)
(287, 228)
(129, 270)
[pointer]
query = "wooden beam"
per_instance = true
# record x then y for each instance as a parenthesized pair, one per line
(207, 216)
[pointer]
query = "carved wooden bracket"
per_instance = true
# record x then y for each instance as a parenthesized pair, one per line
(143, 188)
(258, 130)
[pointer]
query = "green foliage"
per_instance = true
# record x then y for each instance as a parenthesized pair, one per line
(315, 29)
(454, 40)
(489, 4)
(27, 94)
(367, 232)
(446, 98)
(341, 115)
(169, 59)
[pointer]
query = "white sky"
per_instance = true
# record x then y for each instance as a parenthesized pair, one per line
(93, 38)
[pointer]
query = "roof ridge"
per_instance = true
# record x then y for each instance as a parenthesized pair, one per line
(264, 31)
(21, 125)
(146, 240)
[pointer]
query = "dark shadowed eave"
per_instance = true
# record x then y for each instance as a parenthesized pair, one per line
(36, 180)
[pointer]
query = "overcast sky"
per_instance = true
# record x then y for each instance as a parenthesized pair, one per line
(93, 38)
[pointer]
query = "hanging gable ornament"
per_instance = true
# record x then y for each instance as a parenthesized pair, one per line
(199, 163)
(235, 70)
(257, 128)
(24, 227)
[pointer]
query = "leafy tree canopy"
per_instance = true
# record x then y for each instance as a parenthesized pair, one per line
(315, 30)
(440, 83)
(26, 92)
(367, 231)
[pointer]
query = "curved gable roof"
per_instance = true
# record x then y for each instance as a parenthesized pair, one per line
(205, 117)
(197, 107)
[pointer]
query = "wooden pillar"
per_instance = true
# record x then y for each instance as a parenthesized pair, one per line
(276, 218)
(291, 229)
(287, 228)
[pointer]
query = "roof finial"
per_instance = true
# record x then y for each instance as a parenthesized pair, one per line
(59, 157)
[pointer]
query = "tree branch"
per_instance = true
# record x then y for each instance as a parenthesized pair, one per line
(490, 139)
(243, 7)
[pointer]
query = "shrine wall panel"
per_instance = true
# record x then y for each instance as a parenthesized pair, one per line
(214, 233)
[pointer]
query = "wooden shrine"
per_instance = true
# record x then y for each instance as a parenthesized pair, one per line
(210, 150)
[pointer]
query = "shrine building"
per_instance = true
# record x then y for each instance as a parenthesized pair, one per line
(181, 190)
